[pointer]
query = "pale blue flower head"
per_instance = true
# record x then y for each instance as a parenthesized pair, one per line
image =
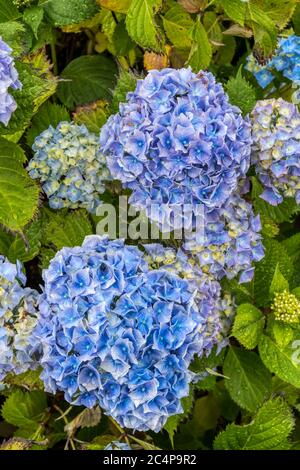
(8, 79)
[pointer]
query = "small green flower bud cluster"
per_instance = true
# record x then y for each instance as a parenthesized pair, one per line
(286, 307)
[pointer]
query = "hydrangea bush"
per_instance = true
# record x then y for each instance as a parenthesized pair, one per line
(149, 226)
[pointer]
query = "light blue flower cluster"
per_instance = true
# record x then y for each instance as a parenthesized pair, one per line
(70, 166)
(177, 142)
(118, 333)
(116, 445)
(276, 149)
(18, 318)
(285, 60)
(214, 309)
(231, 241)
(8, 79)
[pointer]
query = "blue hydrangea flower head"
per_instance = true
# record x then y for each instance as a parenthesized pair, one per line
(118, 333)
(231, 241)
(18, 318)
(116, 445)
(70, 166)
(177, 141)
(276, 148)
(8, 79)
(286, 60)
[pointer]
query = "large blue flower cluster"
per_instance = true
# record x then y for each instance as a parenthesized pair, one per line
(177, 143)
(18, 318)
(276, 149)
(285, 60)
(230, 241)
(118, 333)
(8, 79)
(70, 166)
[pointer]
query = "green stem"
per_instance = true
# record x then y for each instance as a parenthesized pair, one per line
(54, 57)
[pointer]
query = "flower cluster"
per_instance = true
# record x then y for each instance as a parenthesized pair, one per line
(70, 166)
(276, 148)
(230, 241)
(118, 333)
(285, 60)
(18, 318)
(177, 143)
(286, 307)
(116, 445)
(8, 79)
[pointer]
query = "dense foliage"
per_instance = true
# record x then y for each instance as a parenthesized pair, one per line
(144, 339)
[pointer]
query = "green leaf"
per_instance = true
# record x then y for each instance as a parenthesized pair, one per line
(177, 24)
(14, 34)
(248, 325)
(49, 114)
(119, 6)
(241, 93)
(38, 85)
(235, 9)
(126, 83)
(281, 213)
(173, 422)
(264, 29)
(279, 11)
(121, 40)
(24, 409)
(87, 79)
(8, 11)
(29, 380)
(141, 24)
(275, 255)
(19, 194)
(93, 116)
(67, 229)
(292, 245)
(33, 17)
(269, 430)
(27, 247)
(201, 50)
(67, 12)
(281, 361)
(279, 283)
(249, 382)
(283, 333)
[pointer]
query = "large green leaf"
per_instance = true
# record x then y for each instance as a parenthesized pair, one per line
(177, 24)
(235, 9)
(283, 362)
(24, 248)
(19, 194)
(67, 229)
(67, 12)
(249, 382)
(248, 325)
(269, 430)
(8, 11)
(24, 409)
(141, 24)
(87, 79)
(241, 93)
(201, 50)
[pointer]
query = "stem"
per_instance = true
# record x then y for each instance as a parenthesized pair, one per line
(54, 56)
(63, 416)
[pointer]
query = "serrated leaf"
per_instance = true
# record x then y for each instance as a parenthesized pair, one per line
(27, 247)
(8, 11)
(285, 390)
(126, 83)
(177, 24)
(275, 255)
(280, 11)
(282, 333)
(19, 194)
(279, 283)
(248, 325)
(264, 29)
(235, 9)
(249, 382)
(48, 114)
(14, 34)
(92, 116)
(281, 361)
(141, 24)
(121, 40)
(24, 409)
(67, 229)
(86, 419)
(29, 380)
(67, 12)
(119, 6)
(33, 17)
(16, 443)
(269, 430)
(87, 79)
(201, 50)
(241, 93)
